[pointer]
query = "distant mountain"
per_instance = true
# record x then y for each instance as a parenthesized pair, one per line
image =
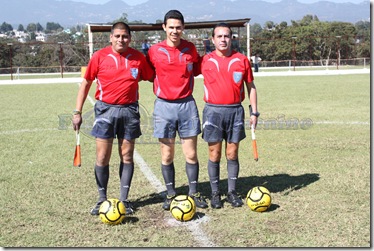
(68, 13)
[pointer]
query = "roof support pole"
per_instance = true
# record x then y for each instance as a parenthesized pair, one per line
(248, 41)
(90, 40)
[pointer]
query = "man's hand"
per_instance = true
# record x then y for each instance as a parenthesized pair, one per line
(77, 121)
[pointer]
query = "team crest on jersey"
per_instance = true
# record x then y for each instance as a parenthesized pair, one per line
(189, 67)
(237, 76)
(134, 72)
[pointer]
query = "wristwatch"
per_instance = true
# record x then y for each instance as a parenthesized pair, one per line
(255, 114)
(75, 112)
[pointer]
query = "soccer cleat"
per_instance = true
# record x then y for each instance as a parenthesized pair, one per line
(199, 200)
(128, 206)
(96, 208)
(215, 201)
(167, 202)
(234, 199)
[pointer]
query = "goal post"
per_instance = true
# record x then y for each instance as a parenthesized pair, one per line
(95, 27)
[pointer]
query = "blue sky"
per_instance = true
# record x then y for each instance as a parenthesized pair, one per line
(134, 2)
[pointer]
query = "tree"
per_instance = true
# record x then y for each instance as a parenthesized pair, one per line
(39, 27)
(32, 36)
(5, 27)
(51, 26)
(4, 53)
(31, 27)
(20, 28)
(269, 25)
(283, 25)
(315, 40)
(308, 20)
(79, 28)
(362, 39)
(255, 29)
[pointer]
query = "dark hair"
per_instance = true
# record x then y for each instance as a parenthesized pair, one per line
(221, 25)
(121, 26)
(174, 14)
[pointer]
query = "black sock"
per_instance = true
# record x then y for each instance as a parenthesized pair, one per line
(192, 171)
(232, 173)
(126, 171)
(213, 171)
(102, 178)
(168, 172)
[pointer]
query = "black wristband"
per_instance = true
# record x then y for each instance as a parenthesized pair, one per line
(255, 114)
(75, 112)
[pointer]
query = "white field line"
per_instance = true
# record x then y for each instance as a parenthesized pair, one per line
(193, 226)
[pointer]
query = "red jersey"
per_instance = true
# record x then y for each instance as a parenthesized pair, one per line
(224, 78)
(174, 69)
(118, 75)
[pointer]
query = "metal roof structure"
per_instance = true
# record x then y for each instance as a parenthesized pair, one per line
(95, 27)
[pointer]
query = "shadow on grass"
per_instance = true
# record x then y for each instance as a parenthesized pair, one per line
(129, 219)
(278, 183)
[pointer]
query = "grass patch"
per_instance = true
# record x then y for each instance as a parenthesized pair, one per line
(319, 177)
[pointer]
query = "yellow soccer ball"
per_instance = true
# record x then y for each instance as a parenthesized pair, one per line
(183, 208)
(112, 212)
(258, 199)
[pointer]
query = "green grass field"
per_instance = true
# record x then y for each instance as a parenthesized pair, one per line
(319, 176)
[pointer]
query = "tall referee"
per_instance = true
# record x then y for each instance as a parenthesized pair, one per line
(175, 109)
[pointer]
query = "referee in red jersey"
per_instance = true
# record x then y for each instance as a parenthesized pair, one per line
(175, 109)
(225, 71)
(117, 70)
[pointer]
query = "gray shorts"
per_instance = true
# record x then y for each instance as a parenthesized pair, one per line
(223, 123)
(178, 115)
(121, 121)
